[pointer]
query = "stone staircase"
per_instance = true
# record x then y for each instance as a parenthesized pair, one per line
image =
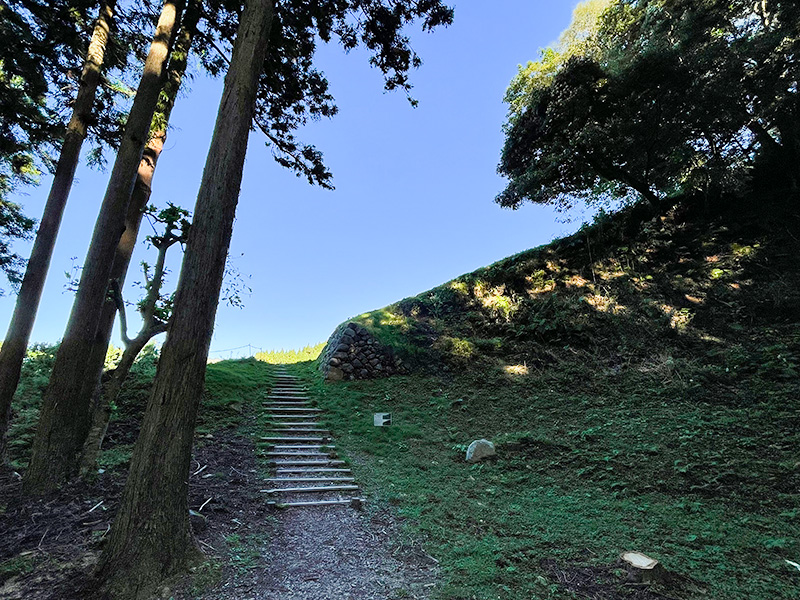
(306, 471)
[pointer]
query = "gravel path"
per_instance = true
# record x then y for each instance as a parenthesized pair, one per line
(335, 553)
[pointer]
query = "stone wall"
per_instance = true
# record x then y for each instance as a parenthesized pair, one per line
(353, 353)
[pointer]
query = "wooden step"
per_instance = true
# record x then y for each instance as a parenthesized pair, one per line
(297, 430)
(311, 470)
(291, 416)
(302, 447)
(306, 463)
(288, 411)
(354, 502)
(311, 490)
(298, 454)
(307, 479)
(292, 439)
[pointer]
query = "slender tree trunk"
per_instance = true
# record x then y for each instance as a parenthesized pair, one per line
(151, 537)
(64, 420)
(108, 393)
(30, 292)
(90, 387)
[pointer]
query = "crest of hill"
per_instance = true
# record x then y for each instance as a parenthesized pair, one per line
(623, 291)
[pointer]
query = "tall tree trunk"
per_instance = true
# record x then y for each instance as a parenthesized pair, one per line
(64, 419)
(30, 292)
(90, 387)
(151, 537)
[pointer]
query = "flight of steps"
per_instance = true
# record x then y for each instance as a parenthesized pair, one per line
(306, 471)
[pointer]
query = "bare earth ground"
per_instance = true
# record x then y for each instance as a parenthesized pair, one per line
(319, 553)
(322, 553)
(49, 546)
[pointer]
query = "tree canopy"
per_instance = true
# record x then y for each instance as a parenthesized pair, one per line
(653, 98)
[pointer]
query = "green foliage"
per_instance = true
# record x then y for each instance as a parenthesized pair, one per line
(34, 376)
(289, 357)
(115, 457)
(244, 553)
(231, 386)
(589, 465)
(43, 44)
(132, 399)
(18, 565)
(205, 576)
(656, 98)
(639, 380)
(293, 91)
(13, 226)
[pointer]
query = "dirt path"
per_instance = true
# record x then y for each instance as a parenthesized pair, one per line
(255, 551)
(330, 552)
(327, 553)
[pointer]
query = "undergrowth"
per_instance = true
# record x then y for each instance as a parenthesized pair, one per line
(640, 381)
(590, 464)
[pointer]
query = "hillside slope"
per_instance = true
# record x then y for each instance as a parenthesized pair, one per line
(640, 382)
(623, 293)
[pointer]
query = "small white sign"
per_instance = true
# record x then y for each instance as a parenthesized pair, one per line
(382, 419)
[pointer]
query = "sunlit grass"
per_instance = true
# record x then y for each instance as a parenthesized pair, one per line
(289, 357)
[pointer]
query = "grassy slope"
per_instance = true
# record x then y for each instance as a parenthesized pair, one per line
(642, 390)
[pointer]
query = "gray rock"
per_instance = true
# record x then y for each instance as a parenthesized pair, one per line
(334, 362)
(363, 373)
(335, 374)
(347, 368)
(342, 347)
(480, 449)
(357, 363)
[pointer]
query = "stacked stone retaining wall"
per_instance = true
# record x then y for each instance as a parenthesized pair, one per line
(352, 352)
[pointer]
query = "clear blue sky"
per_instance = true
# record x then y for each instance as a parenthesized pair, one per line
(413, 205)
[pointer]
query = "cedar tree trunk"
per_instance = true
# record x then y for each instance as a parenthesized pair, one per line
(151, 538)
(30, 292)
(64, 420)
(90, 387)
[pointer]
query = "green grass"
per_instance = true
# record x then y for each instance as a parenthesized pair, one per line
(16, 566)
(288, 357)
(231, 386)
(640, 379)
(244, 553)
(589, 466)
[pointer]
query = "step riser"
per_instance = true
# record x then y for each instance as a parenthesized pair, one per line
(297, 457)
(274, 416)
(309, 479)
(309, 470)
(291, 439)
(305, 463)
(312, 490)
(298, 430)
(320, 503)
(308, 447)
(303, 424)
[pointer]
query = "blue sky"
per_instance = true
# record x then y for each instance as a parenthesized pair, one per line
(413, 205)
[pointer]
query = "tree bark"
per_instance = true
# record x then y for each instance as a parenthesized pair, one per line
(90, 386)
(615, 173)
(64, 420)
(151, 537)
(30, 292)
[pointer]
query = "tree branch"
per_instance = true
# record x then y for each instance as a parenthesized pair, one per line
(116, 292)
